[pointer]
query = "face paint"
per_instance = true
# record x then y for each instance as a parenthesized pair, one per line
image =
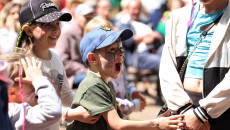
(118, 50)
(113, 52)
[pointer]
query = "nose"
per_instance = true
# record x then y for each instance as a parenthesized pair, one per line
(120, 55)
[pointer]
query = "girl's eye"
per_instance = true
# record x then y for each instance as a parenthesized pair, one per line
(58, 23)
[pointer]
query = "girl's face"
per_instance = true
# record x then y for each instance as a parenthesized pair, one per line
(28, 94)
(47, 34)
(111, 58)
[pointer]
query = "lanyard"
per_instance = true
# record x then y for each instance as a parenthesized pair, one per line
(202, 36)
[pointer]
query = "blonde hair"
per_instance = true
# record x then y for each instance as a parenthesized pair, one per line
(13, 60)
(95, 22)
(5, 12)
(71, 2)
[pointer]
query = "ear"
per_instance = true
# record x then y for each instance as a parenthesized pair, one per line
(92, 58)
(28, 30)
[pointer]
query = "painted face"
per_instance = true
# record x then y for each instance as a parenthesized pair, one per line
(47, 34)
(111, 59)
(28, 93)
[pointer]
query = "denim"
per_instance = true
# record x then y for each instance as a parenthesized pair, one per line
(77, 80)
(5, 123)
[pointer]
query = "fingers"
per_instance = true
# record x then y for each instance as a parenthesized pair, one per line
(95, 119)
(24, 65)
(28, 61)
(176, 117)
(34, 62)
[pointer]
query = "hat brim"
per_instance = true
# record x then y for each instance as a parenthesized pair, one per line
(54, 16)
(123, 34)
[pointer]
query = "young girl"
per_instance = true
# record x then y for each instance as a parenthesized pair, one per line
(40, 106)
(40, 21)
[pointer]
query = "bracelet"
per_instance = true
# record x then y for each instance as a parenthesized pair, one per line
(151, 123)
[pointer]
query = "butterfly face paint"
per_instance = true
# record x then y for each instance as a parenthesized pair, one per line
(114, 55)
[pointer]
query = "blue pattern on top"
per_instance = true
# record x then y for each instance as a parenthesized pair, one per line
(199, 57)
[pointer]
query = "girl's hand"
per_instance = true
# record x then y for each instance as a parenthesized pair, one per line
(31, 68)
(81, 114)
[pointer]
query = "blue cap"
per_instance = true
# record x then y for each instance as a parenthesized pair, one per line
(101, 37)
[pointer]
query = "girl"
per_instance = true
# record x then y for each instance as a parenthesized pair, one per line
(40, 21)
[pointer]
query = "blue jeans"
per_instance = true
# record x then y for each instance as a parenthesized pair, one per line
(77, 80)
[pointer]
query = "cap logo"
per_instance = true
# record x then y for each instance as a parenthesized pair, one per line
(47, 5)
(106, 28)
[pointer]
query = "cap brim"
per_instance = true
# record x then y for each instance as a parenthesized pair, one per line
(123, 34)
(54, 16)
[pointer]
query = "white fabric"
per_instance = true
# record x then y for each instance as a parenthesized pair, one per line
(8, 40)
(217, 102)
(42, 116)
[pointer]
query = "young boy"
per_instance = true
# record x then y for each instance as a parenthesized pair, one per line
(42, 106)
(101, 50)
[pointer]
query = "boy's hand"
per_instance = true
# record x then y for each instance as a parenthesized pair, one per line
(81, 114)
(172, 122)
(31, 68)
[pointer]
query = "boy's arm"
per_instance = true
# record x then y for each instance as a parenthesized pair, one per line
(115, 122)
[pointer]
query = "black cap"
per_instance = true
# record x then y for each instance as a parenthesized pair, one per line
(43, 11)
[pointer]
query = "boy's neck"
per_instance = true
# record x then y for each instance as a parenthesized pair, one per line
(105, 78)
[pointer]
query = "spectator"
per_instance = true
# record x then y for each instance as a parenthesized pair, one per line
(9, 26)
(143, 50)
(69, 42)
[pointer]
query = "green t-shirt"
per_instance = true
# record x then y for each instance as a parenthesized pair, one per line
(97, 97)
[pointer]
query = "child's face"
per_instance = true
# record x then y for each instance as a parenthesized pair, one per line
(28, 94)
(47, 34)
(111, 58)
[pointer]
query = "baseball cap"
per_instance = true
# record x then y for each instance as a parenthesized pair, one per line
(101, 37)
(83, 9)
(43, 11)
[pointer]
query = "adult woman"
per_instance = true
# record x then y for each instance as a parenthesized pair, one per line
(203, 91)
(9, 26)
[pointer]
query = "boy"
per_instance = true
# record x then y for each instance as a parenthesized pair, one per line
(42, 106)
(101, 50)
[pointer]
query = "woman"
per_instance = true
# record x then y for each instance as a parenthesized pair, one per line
(202, 93)
(9, 26)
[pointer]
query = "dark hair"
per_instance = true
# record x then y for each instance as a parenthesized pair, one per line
(25, 41)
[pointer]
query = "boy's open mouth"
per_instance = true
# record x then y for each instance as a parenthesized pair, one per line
(118, 66)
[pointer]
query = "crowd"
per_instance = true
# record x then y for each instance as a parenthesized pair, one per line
(48, 48)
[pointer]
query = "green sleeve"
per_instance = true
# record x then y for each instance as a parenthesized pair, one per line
(96, 100)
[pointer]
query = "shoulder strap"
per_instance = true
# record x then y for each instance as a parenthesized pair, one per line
(203, 35)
